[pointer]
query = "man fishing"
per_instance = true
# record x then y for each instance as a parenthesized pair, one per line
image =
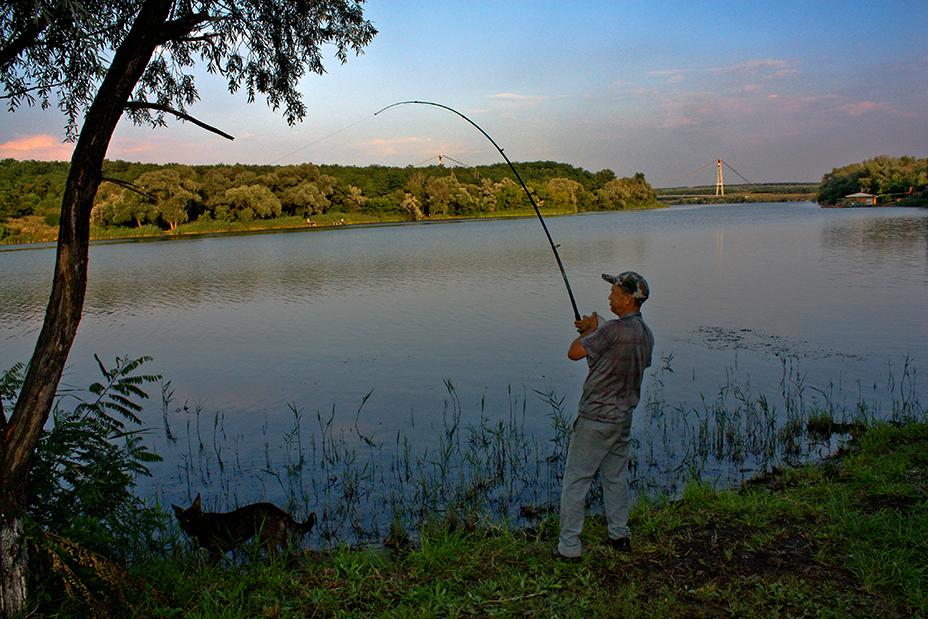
(617, 352)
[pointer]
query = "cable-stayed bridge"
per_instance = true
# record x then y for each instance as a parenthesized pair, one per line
(744, 190)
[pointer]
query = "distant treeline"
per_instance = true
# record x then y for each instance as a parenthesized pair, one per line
(167, 196)
(891, 179)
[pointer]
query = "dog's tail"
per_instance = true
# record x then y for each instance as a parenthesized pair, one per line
(306, 527)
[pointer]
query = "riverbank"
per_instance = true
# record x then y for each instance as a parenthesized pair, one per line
(846, 537)
(33, 230)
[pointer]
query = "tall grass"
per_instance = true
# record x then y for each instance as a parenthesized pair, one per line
(851, 528)
(368, 488)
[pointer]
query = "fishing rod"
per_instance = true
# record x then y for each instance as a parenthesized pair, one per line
(557, 256)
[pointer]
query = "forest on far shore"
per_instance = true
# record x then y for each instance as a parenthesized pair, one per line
(152, 197)
(893, 180)
(142, 199)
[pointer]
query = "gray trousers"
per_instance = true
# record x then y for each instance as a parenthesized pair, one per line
(595, 446)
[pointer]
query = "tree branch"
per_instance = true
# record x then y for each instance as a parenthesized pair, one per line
(27, 37)
(204, 38)
(26, 91)
(126, 185)
(145, 105)
(181, 27)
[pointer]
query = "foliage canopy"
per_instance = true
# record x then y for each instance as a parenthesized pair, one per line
(56, 52)
(227, 193)
(886, 177)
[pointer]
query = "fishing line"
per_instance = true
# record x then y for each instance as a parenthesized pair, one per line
(557, 256)
(323, 138)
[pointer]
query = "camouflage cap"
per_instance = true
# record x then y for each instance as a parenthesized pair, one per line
(633, 283)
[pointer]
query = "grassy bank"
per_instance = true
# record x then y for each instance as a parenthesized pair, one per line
(842, 538)
(35, 230)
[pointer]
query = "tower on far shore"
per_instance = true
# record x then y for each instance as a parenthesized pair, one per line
(719, 182)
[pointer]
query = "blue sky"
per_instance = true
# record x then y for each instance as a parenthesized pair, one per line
(783, 91)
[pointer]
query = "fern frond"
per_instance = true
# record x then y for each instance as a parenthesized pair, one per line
(126, 366)
(103, 369)
(125, 402)
(130, 388)
(11, 380)
(97, 389)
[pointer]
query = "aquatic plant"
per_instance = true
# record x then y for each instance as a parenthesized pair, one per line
(494, 469)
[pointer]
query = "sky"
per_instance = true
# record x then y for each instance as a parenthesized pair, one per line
(780, 90)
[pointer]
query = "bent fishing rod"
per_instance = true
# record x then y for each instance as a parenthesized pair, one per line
(557, 256)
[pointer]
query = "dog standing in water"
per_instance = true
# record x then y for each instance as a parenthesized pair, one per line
(220, 532)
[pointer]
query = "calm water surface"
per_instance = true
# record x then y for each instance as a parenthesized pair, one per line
(249, 326)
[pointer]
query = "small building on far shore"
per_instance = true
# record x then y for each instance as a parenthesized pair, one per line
(859, 199)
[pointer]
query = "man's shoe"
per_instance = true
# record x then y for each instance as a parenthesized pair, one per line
(622, 544)
(557, 555)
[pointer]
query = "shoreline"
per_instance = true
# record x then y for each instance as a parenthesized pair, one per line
(375, 222)
(813, 540)
(341, 222)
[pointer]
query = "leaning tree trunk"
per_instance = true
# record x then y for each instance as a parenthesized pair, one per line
(12, 566)
(21, 433)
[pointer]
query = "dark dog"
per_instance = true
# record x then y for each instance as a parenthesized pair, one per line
(220, 532)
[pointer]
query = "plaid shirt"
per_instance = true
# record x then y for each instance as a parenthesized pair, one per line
(617, 354)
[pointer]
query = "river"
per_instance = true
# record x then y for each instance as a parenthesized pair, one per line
(770, 301)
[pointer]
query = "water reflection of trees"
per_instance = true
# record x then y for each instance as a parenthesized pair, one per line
(297, 270)
(885, 234)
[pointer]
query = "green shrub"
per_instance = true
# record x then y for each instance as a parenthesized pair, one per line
(84, 469)
(83, 472)
(83, 521)
(53, 218)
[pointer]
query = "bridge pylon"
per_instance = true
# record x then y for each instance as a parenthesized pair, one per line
(719, 181)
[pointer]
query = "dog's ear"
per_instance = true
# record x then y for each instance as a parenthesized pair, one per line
(178, 511)
(196, 503)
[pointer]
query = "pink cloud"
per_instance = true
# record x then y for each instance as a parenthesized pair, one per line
(829, 104)
(666, 72)
(132, 148)
(706, 108)
(771, 68)
(859, 108)
(754, 69)
(671, 76)
(794, 104)
(512, 102)
(759, 63)
(511, 96)
(781, 74)
(41, 146)
(712, 109)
